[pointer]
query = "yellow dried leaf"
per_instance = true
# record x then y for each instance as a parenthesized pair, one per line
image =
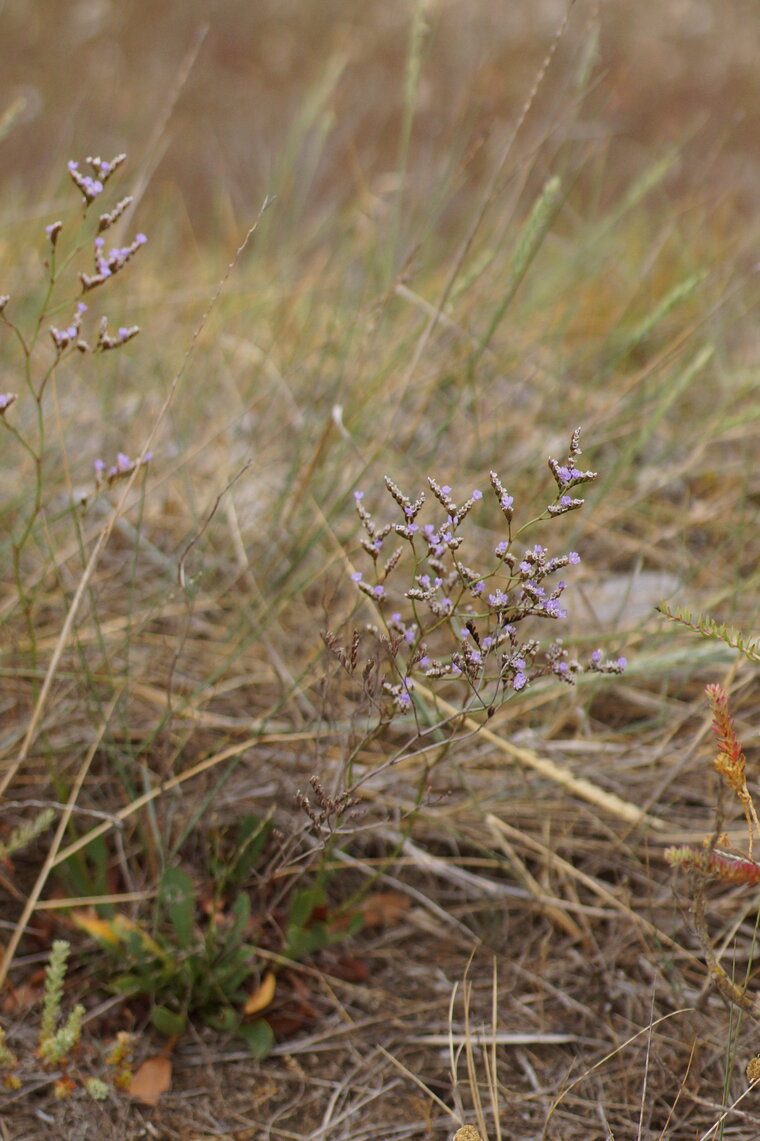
(100, 929)
(262, 996)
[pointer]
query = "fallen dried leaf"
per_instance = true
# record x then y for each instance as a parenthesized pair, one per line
(383, 908)
(153, 1078)
(262, 996)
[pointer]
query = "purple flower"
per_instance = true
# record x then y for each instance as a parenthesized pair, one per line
(358, 495)
(477, 494)
(553, 608)
(574, 558)
(518, 682)
(507, 501)
(356, 576)
(90, 187)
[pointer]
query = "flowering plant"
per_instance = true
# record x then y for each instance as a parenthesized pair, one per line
(453, 623)
(31, 432)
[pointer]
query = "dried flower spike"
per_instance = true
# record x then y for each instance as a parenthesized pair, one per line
(730, 761)
(731, 867)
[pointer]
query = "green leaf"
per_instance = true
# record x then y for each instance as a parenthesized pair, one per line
(168, 1022)
(236, 965)
(258, 1037)
(304, 903)
(177, 894)
(128, 984)
(224, 1020)
(86, 873)
(302, 941)
(252, 837)
(241, 910)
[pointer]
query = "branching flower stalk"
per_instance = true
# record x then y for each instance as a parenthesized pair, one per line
(454, 624)
(66, 340)
(447, 623)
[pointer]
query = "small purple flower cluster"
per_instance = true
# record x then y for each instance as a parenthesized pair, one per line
(107, 264)
(91, 185)
(124, 466)
(62, 338)
(456, 628)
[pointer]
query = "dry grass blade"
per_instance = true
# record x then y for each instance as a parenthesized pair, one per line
(647, 1030)
(53, 852)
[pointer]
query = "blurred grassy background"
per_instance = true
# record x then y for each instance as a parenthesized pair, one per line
(328, 78)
